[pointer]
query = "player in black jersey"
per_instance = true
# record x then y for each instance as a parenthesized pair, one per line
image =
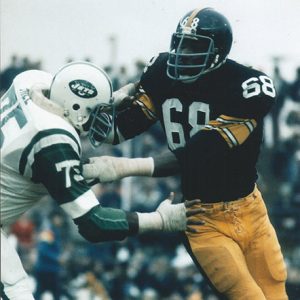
(211, 109)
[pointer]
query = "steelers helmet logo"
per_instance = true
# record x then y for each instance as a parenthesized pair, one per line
(83, 88)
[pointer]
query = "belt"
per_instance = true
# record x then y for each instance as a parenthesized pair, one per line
(223, 205)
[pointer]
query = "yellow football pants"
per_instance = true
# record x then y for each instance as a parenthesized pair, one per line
(238, 250)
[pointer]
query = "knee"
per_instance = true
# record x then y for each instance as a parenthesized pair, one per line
(228, 274)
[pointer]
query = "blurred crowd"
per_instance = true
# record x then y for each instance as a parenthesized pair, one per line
(62, 265)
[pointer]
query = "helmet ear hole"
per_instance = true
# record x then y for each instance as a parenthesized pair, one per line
(76, 106)
(79, 87)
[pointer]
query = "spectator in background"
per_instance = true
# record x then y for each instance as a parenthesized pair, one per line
(285, 167)
(122, 77)
(23, 229)
(295, 87)
(9, 74)
(139, 68)
(110, 72)
(111, 195)
(16, 67)
(88, 59)
(48, 265)
(281, 88)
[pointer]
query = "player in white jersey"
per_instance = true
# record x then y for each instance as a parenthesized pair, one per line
(40, 154)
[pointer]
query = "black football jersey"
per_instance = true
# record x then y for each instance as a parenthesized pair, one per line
(213, 125)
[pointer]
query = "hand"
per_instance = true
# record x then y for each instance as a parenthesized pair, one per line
(178, 217)
(125, 102)
(125, 95)
(104, 168)
(109, 168)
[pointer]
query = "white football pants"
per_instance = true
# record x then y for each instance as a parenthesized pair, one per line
(13, 275)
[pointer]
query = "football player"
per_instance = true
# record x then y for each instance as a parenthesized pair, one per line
(212, 110)
(40, 154)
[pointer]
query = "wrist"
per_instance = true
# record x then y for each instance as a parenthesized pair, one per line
(123, 92)
(150, 222)
(129, 89)
(137, 167)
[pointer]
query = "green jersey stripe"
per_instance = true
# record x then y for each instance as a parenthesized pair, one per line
(58, 168)
(37, 138)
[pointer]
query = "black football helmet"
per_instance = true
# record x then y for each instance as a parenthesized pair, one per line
(201, 43)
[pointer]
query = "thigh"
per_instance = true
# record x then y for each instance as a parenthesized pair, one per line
(265, 262)
(13, 275)
(223, 263)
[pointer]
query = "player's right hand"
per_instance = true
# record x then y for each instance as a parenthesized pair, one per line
(124, 96)
(179, 217)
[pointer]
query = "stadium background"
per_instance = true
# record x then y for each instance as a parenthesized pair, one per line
(121, 37)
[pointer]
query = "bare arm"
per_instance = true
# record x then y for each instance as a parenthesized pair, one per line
(165, 164)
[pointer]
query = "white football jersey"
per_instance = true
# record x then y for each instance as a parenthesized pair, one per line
(40, 154)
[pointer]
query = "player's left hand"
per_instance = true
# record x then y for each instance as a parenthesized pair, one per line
(109, 168)
(191, 211)
(104, 168)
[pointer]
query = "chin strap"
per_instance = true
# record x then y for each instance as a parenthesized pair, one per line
(36, 94)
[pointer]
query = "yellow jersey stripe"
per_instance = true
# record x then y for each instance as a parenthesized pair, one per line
(234, 130)
(145, 102)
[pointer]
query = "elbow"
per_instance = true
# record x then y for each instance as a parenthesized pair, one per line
(103, 224)
(98, 235)
(89, 236)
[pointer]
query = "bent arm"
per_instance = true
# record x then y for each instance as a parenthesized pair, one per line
(135, 114)
(107, 224)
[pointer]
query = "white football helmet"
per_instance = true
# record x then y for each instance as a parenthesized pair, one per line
(84, 91)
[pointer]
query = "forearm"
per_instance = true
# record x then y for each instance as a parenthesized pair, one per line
(135, 114)
(108, 168)
(102, 224)
(165, 164)
(162, 165)
(124, 92)
(135, 166)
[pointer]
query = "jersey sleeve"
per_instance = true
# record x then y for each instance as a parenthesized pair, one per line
(154, 80)
(53, 159)
(233, 130)
(135, 119)
(251, 97)
(249, 102)
(141, 114)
